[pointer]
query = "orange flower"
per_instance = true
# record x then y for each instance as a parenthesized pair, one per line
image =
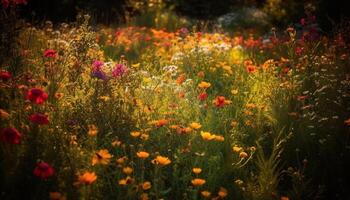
(57, 196)
(121, 160)
(86, 179)
(205, 193)
(161, 160)
(146, 185)
(142, 154)
(135, 133)
(101, 157)
(181, 79)
(219, 138)
(284, 198)
(236, 149)
(4, 114)
(127, 170)
(126, 181)
(197, 170)
(93, 130)
(204, 85)
(222, 192)
(159, 123)
(243, 154)
(198, 182)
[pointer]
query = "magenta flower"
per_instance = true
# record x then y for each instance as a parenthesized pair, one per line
(119, 70)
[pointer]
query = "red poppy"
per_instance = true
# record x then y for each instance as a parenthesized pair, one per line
(50, 53)
(36, 95)
(5, 75)
(203, 96)
(251, 68)
(219, 101)
(43, 170)
(39, 118)
(10, 135)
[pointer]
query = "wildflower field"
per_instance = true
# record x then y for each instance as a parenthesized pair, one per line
(135, 112)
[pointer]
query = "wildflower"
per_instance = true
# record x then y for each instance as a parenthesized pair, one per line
(144, 196)
(251, 68)
(144, 136)
(126, 181)
(222, 192)
(50, 53)
(181, 79)
(43, 170)
(39, 118)
(119, 70)
(198, 182)
(127, 170)
(161, 160)
(347, 122)
(207, 136)
(195, 125)
(4, 114)
(234, 92)
(219, 138)
(86, 179)
(220, 101)
(36, 95)
(56, 196)
(59, 95)
(205, 193)
(201, 74)
(243, 154)
(93, 130)
(97, 70)
(159, 123)
(135, 133)
(238, 182)
(146, 185)
(284, 198)
(197, 170)
(10, 135)
(101, 157)
(5, 3)
(5, 75)
(121, 160)
(234, 124)
(116, 143)
(237, 149)
(204, 85)
(203, 96)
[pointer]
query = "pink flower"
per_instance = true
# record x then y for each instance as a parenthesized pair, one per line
(36, 95)
(50, 53)
(43, 170)
(10, 135)
(5, 3)
(119, 70)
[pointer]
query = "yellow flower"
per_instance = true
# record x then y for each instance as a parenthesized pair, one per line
(219, 138)
(161, 160)
(137, 65)
(204, 85)
(146, 185)
(243, 154)
(205, 193)
(144, 136)
(135, 133)
(105, 98)
(207, 136)
(93, 130)
(222, 192)
(234, 124)
(195, 125)
(236, 148)
(198, 182)
(126, 181)
(87, 178)
(101, 157)
(127, 170)
(197, 170)
(234, 91)
(142, 154)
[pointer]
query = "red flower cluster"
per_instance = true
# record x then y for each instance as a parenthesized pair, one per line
(43, 170)
(50, 53)
(36, 95)
(39, 118)
(5, 75)
(6, 3)
(220, 101)
(10, 135)
(203, 96)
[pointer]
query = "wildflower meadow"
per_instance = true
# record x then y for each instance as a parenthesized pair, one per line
(161, 107)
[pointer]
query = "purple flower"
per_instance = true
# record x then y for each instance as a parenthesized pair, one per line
(97, 70)
(119, 70)
(99, 74)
